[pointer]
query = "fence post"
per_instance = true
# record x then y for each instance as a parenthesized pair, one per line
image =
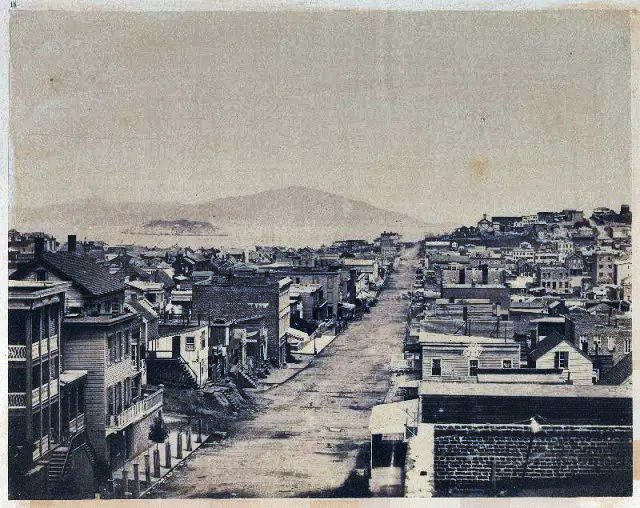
(156, 463)
(167, 454)
(147, 470)
(189, 446)
(136, 480)
(179, 445)
(110, 488)
(124, 483)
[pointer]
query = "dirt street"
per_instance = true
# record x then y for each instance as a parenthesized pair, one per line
(311, 436)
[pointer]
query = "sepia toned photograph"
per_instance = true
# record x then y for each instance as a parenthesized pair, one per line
(319, 251)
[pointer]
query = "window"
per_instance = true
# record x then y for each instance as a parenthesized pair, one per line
(561, 360)
(436, 367)
(191, 344)
(54, 367)
(119, 346)
(627, 345)
(507, 364)
(610, 343)
(41, 275)
(203, 341)
(473, 367)
(126, 336)
(111, 400)
(111, 346)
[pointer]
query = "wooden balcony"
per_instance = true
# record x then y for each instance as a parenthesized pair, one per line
(43, 393)
(17, 400)
(17, 353)
(44, 346)
(40, 447)
(136, 412)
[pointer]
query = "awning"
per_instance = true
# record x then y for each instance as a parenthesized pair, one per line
(348, 306)
(297, 334)
(70, 376)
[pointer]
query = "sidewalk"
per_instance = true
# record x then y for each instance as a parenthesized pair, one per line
(175, 461)
(304, 358)
(321, 343)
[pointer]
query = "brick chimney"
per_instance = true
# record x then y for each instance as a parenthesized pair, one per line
(71, 243)
(38, 246)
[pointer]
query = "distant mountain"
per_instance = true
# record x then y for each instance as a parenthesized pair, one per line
(289, 216)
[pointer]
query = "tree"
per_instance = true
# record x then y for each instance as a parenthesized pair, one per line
(158, 432)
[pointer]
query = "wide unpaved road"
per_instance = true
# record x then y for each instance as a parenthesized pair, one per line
(313, 434)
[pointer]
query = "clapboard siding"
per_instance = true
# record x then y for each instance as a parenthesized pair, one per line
(456, 366)
(121, 370)
(580, 368)
(84, 349)
(73, 297)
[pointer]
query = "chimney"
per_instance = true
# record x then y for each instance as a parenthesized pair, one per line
(38, 245)
(71, 243)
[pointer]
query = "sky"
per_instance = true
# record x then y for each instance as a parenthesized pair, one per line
(439, 115)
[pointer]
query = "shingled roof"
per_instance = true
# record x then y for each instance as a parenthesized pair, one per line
(619, 373)
(82, 270)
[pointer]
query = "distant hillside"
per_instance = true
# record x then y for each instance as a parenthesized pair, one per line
(289, 216)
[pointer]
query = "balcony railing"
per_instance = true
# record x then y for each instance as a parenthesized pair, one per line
(77, 424)
(137, 411)
(40, 447)
(47, 345)
(17, 353)
(17, 400)
(44, 392)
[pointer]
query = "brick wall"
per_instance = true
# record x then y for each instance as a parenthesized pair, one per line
(465, 453)
(238, 301)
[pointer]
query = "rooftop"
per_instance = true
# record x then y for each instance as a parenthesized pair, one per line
(439, 338)
(29, 289)
(523, 390)
(102, 320)
(145, 286)
(391, 418)
(82, 270)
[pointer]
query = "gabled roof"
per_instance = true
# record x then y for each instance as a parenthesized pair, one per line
(547, 344)
(79, 269)
(132, 269)
(143, 307)
(619, 373)
(164, 277)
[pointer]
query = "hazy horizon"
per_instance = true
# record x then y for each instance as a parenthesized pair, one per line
(489, 212)
(440, 116)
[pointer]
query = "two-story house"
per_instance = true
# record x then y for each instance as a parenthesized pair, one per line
(249, 296)
(179, 356)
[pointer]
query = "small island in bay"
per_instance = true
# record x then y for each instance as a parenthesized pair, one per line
(178, 227)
